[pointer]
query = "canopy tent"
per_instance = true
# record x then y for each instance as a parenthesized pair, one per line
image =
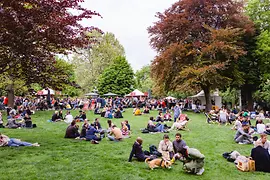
(201, 94)
(110, 94)
(170, 97)
(45, 92)
(91, 94)
(136, 92)
(214, 97)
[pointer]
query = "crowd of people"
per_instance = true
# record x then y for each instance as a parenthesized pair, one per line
(167, 111)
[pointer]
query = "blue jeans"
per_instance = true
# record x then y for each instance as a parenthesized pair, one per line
(160, 128)
(16, 142)
(112, 138)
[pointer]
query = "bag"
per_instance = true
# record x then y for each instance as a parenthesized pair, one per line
(153, 150)
(246, 166)
(145, 131)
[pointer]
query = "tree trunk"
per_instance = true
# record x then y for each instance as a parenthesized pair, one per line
(10, 95)
(207, 96)
(247, 91)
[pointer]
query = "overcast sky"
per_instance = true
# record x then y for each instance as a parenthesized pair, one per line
(128, 20)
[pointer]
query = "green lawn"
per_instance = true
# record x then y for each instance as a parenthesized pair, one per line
(59, 158)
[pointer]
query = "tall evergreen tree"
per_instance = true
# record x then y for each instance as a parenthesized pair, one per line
(118, 78)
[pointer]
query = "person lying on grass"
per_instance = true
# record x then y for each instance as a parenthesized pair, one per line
(72, 130)
(12, 142)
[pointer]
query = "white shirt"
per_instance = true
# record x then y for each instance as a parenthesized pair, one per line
(260, 128)
(69, 118)
(266, 145)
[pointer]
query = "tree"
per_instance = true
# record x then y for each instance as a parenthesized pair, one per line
(90, 62)
(197, 43)
(32, 32)
(143, 80)
(258, 10)
(117, 78)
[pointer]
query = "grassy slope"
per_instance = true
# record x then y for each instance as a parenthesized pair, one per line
(60, 158)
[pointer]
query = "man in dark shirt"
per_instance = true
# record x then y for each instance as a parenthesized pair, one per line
(137, 151)
(72, 130)
(261, 157)
(178, 145)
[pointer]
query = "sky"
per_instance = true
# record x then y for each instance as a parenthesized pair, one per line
(128, 20)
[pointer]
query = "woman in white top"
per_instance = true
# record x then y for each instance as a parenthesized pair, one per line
(260, 127)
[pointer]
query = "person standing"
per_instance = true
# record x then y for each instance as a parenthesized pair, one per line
(177, 111)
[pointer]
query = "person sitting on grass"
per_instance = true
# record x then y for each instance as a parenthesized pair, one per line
(178, 146)
(55, 117)
(167, 116)
(117, 134)
(264, 141)
(137, 151)
(118, 114)
(91, 134)
(72, 130)
(243, 135)
(154, 127)
(137, 112)
(180, 124)
(97, 111)
(124, 129)
(85, 127)
(260, 127)
(238, 124)
(12, 142)
(159, 117)
(68, 118)
(60, 115)
(146, 110)
(127, 124)
(27, 121)
(12, 122)
(110, 125)
(97, 124)
(81, 117)
(165, 147)
(261, 157)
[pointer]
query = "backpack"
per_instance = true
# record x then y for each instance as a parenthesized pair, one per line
(153, 150)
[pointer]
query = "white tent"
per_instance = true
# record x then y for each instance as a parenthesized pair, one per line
(214, 96)
(170, 97)
(136, 92)
(45, 92)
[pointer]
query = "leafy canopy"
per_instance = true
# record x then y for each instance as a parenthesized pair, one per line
(90, 62)
(118, 78)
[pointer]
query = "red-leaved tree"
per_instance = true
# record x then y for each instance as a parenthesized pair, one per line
(33, 32)
(198, 42)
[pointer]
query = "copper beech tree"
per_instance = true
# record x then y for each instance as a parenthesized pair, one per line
(198, 42)
(33, 32)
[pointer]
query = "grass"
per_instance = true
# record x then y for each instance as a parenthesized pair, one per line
(59, 158)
